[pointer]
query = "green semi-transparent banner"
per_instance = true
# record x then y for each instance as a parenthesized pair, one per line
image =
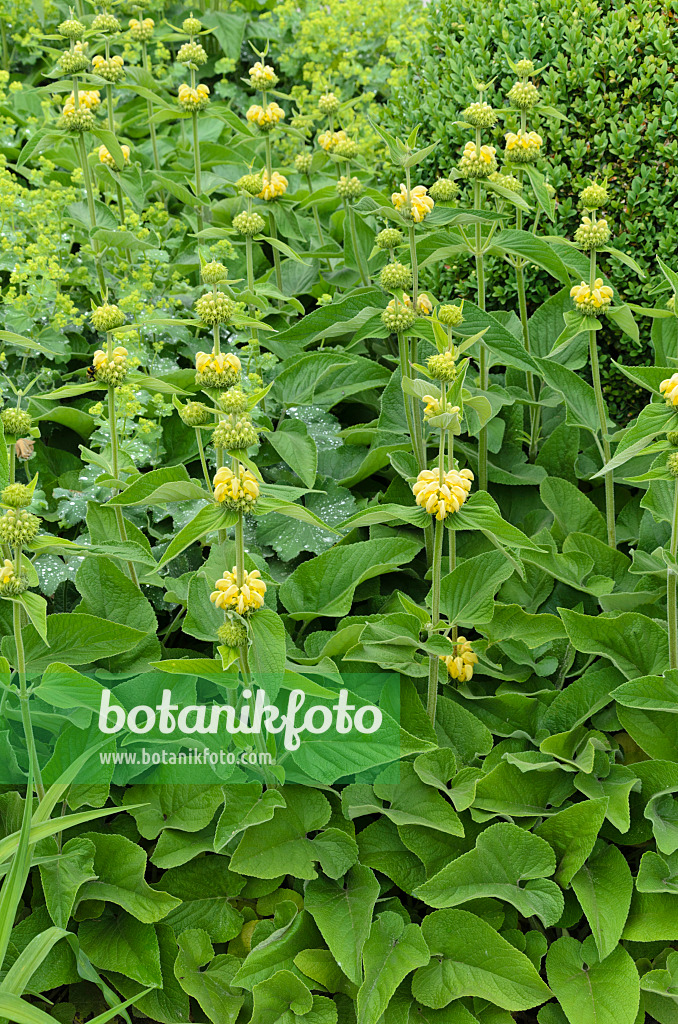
(173, 728)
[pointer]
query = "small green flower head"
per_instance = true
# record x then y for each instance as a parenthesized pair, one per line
(213, 272)
(450, 315)
(107, 317)
(672, 438)
(480, 115)
(16, 422)
(398, 318)
(442, 366)
(191, 26)
(395, 277)
(215, 308)
(106, 23)
(234, 400)
(524, 95)
(77, 121)
(195, 414)
(73, 62)
(251, 183)
(11, 583)
(192, 53)
(594, 196)
(18, 527)
(248, 223)
(672, 464)
(302, 162)
(235, 433)
(671, 303)
(477, 161)
(233, 633)
(16, 496)
(349, 188)
(71, 29)
(592, 236)
(506, 181)
(389, 238)
(347, 149)
(524, 68)
(328, 104)
(443, 190)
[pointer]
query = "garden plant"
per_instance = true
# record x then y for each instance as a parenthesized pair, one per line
(304, 406)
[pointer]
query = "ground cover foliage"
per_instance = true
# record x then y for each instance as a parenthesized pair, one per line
(241, 442)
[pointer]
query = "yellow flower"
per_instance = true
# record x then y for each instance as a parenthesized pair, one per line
(193, 99)
(225, 362)
(477, 161)
(262, 76)
(238, 490)
(460, 664)
(276, 186)
(669, 389)
(244, 598)
(328, 140)
(8, 573)
(432, 407)
(265, 117)
(424, 304)
(417, 206)
(523, 147)
(101, 358)
(88, 99)
(106, 158)
(442, 499)
(590, 301)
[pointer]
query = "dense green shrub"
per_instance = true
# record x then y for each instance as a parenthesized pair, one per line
(609, 67)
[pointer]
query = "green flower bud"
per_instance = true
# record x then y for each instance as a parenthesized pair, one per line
(328, 103)
(16, 422)
(672, 438)
(346, 148)
(73, 62)
(592, 236)
(525, 67)
(77, 121)
(477, 162)
(302, 162)
(110, 68)
(214, 272)
(594, 196)
(672, 464)
(395, 276)
(107, 317)
(506, 181)
(17, 496)
(11, 584)
(389, 238)
(106, 23)
(349, 188)
(235, 434)
(524, 95)
(71, 29)
(233, 633)
(443, 190)
(215, 308)
(450, 315)
(398, 318)
(442, 366)
(251, 183)
(248, 223)
(480, 115)
(234, 400)
(195, 414)
(192, 53)
(18, 527)
(191, 26)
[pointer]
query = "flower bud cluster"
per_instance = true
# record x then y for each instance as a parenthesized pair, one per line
(669, 389)
(107, 317)
(18, 527)
(235, 433)
(395, 276)
(265, 118)
(232, 633)
(195, 414)
(248, 223)
(450, 315)
(106, 158)
(141, 31)
(349, 188)
(302, 162)
(77, 121)
(593, 197)
(592, 235)
(443, 190)
(389, 238)
(237, 491)
(75, 61)
(442, 366)
(524, 95)
(415, 206)
(262, 76)
(16, 422)
(234, 400)
(191, 26)
(192, 100)
(71, 29)
(506, 181)
(477, 162)
(112, 369)
(11, 583)
(523, 147)
(16, 495)
(480, 115)
(215, 308)
(460, 664)
(192, 53)
(217, 371)
(106, 23)
(112, 69)
(328, 104)
(271, 189)
(592, 301)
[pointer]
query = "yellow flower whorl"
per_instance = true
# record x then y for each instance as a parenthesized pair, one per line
(460, 664)
(591, 301)
(190, 99)
(669, 389)
(106, 158)
(277, 186)
(265, 117)
(236, 490)
(244, 599)
(523, 147)
(440, 500)
(417, 206)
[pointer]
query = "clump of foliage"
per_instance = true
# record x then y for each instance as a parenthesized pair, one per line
(240, 443)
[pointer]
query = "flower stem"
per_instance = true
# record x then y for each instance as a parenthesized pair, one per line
(203, 461)
(196, 157)
(92, 212)
(239, 551)
(113, 426)
(154, 140)
(316, 215)
(484, 360)
(671, 581)
(602, 416)
(434, 661)
(23, 693)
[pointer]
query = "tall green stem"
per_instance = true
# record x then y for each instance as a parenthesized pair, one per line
(434, 661)
(203, 461)
(82, 153)
(149, 102)
(602, 416)
(196, 157)
(484, 356)
(23, 692)
(671, 581)
(113, 425)
(316, 215)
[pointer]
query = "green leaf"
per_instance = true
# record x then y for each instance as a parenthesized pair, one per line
(74, 639)
(326, 584)
(572, 833)
(650, 693)
(603, 887)
(121, 943)
(392, 950)
(297, 448)
(534, 249)
(589, 990)
(244, 806)
(208, 520)
(469, 958)
(636, 644)
(207, 978)
(120, 866)
(145, 485)
(268, 650)
(580, 398)
(281, 845)
(467, 594)
(184, 807)
(504, 858)
(62, 878)
(343, 912)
